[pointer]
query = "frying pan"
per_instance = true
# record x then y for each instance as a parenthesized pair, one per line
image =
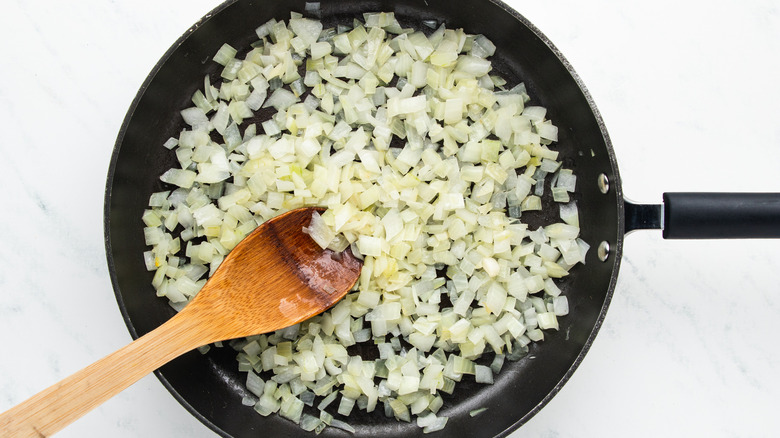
(523, 388)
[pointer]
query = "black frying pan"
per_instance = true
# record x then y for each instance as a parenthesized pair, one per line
(211, 387)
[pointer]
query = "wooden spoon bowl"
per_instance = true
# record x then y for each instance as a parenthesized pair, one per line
(274, 278)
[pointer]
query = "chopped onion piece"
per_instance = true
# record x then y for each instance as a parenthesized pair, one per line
(476, 412)
(483, 374)
(225, 54)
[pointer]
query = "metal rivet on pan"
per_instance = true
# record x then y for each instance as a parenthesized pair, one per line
(603, 182)
(603, 251)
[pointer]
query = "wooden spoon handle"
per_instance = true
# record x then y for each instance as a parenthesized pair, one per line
(54, 408)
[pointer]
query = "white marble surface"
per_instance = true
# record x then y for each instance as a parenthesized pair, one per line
(689, 92)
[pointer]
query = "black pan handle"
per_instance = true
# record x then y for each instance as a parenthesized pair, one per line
(709, 215)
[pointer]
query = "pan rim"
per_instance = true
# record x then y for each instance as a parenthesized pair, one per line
(614, 177)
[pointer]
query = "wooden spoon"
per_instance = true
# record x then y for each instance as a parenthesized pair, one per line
(276, 277)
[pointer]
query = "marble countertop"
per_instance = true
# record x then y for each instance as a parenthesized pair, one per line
(689, 93)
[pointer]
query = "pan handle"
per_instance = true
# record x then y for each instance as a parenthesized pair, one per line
(686, 215)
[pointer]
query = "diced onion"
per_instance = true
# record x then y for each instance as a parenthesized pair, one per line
(425, 165)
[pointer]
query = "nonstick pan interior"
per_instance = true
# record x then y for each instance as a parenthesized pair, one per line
(210, 385)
